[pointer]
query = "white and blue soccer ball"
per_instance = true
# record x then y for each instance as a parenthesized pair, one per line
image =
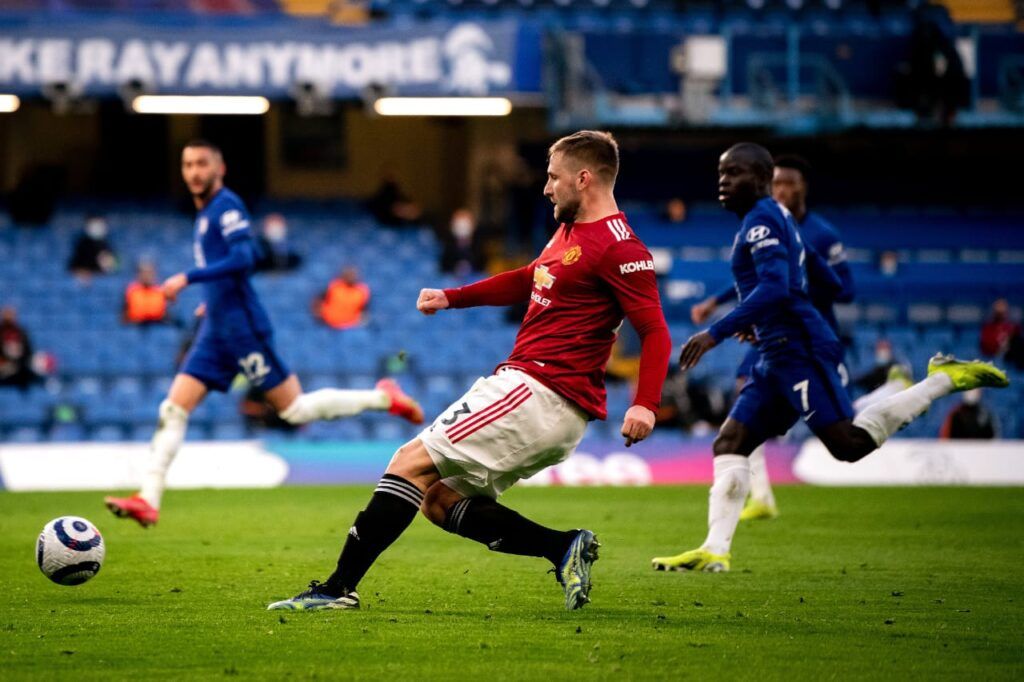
(70, 550)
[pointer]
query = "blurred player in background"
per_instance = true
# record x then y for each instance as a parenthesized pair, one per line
(789, 188)
(532, 412)
(798, 373)
(235, 336)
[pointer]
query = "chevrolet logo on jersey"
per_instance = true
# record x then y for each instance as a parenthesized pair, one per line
(572, 255)
(542, 279)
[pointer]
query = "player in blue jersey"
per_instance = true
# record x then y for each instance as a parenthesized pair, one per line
(797, 375)
(235, 336)
(789, 188)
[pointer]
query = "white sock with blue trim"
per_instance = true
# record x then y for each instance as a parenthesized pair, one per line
(167, 440)
(333, 403)
(760, 484)
(888, 416)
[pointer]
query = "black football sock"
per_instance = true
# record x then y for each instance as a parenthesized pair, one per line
(503, 530)
(391, 509)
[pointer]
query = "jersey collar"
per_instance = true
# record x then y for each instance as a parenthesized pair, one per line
(601, 221)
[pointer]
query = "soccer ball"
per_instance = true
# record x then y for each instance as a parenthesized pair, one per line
(70, 550)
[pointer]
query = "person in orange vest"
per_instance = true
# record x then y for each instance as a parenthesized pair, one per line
(144, 302)
(344, 301)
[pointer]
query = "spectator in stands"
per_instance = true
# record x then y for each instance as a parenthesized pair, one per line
(889, 263)
(392, 206)
(970, 419)
(275, 252)
(937, 83)
(507, 197)
(15, 352)
(1001, 337)
(877, 375)
(92, 253)
(887, 378)
(461, 254)
(343, 303)
(144, 301)
(692, 406)
(675, 211)
(349, 12)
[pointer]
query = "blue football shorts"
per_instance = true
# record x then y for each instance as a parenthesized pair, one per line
(216, 361)
(794, 383)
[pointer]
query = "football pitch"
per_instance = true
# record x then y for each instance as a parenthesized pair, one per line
(847, 583)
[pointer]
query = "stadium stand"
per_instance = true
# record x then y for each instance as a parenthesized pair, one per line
(114, 375)
(697, 15)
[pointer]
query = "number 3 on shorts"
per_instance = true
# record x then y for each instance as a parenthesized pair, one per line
(801, 388)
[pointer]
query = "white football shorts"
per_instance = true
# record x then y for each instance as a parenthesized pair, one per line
(507, 427)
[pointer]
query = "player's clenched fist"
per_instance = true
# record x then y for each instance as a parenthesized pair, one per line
(431, 300)
(638, 424)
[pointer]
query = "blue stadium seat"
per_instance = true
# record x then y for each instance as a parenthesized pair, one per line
(228, 432)
(358, 381)
(110, 433)
(140, 433)
(129, 386)
(67, 433)
(119, 374)
(391, 430)
(25, 434)
(197, 431)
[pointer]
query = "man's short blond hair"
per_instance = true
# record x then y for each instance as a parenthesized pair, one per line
(595, 150)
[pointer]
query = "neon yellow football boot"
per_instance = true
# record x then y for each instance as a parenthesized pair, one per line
(694, 560)
(756, 510)
(968, 374)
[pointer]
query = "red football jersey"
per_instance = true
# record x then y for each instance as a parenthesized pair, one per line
(588, 277)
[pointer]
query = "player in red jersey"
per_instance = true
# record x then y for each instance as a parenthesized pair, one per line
(531, 413)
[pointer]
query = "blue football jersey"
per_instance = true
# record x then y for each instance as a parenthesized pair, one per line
(820, 235)
(768, 258)
(232, 307)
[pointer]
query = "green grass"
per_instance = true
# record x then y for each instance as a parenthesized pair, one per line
(848, 583)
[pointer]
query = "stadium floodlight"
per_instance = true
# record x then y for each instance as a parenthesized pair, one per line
(9, 103)
(443, 106)
(183, 104)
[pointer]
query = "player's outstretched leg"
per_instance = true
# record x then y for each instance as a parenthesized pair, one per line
(483, 519)
(761, 503)
(946, 375)
(390, 511)
(732, 483)
(144, 506)
(335, 403)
